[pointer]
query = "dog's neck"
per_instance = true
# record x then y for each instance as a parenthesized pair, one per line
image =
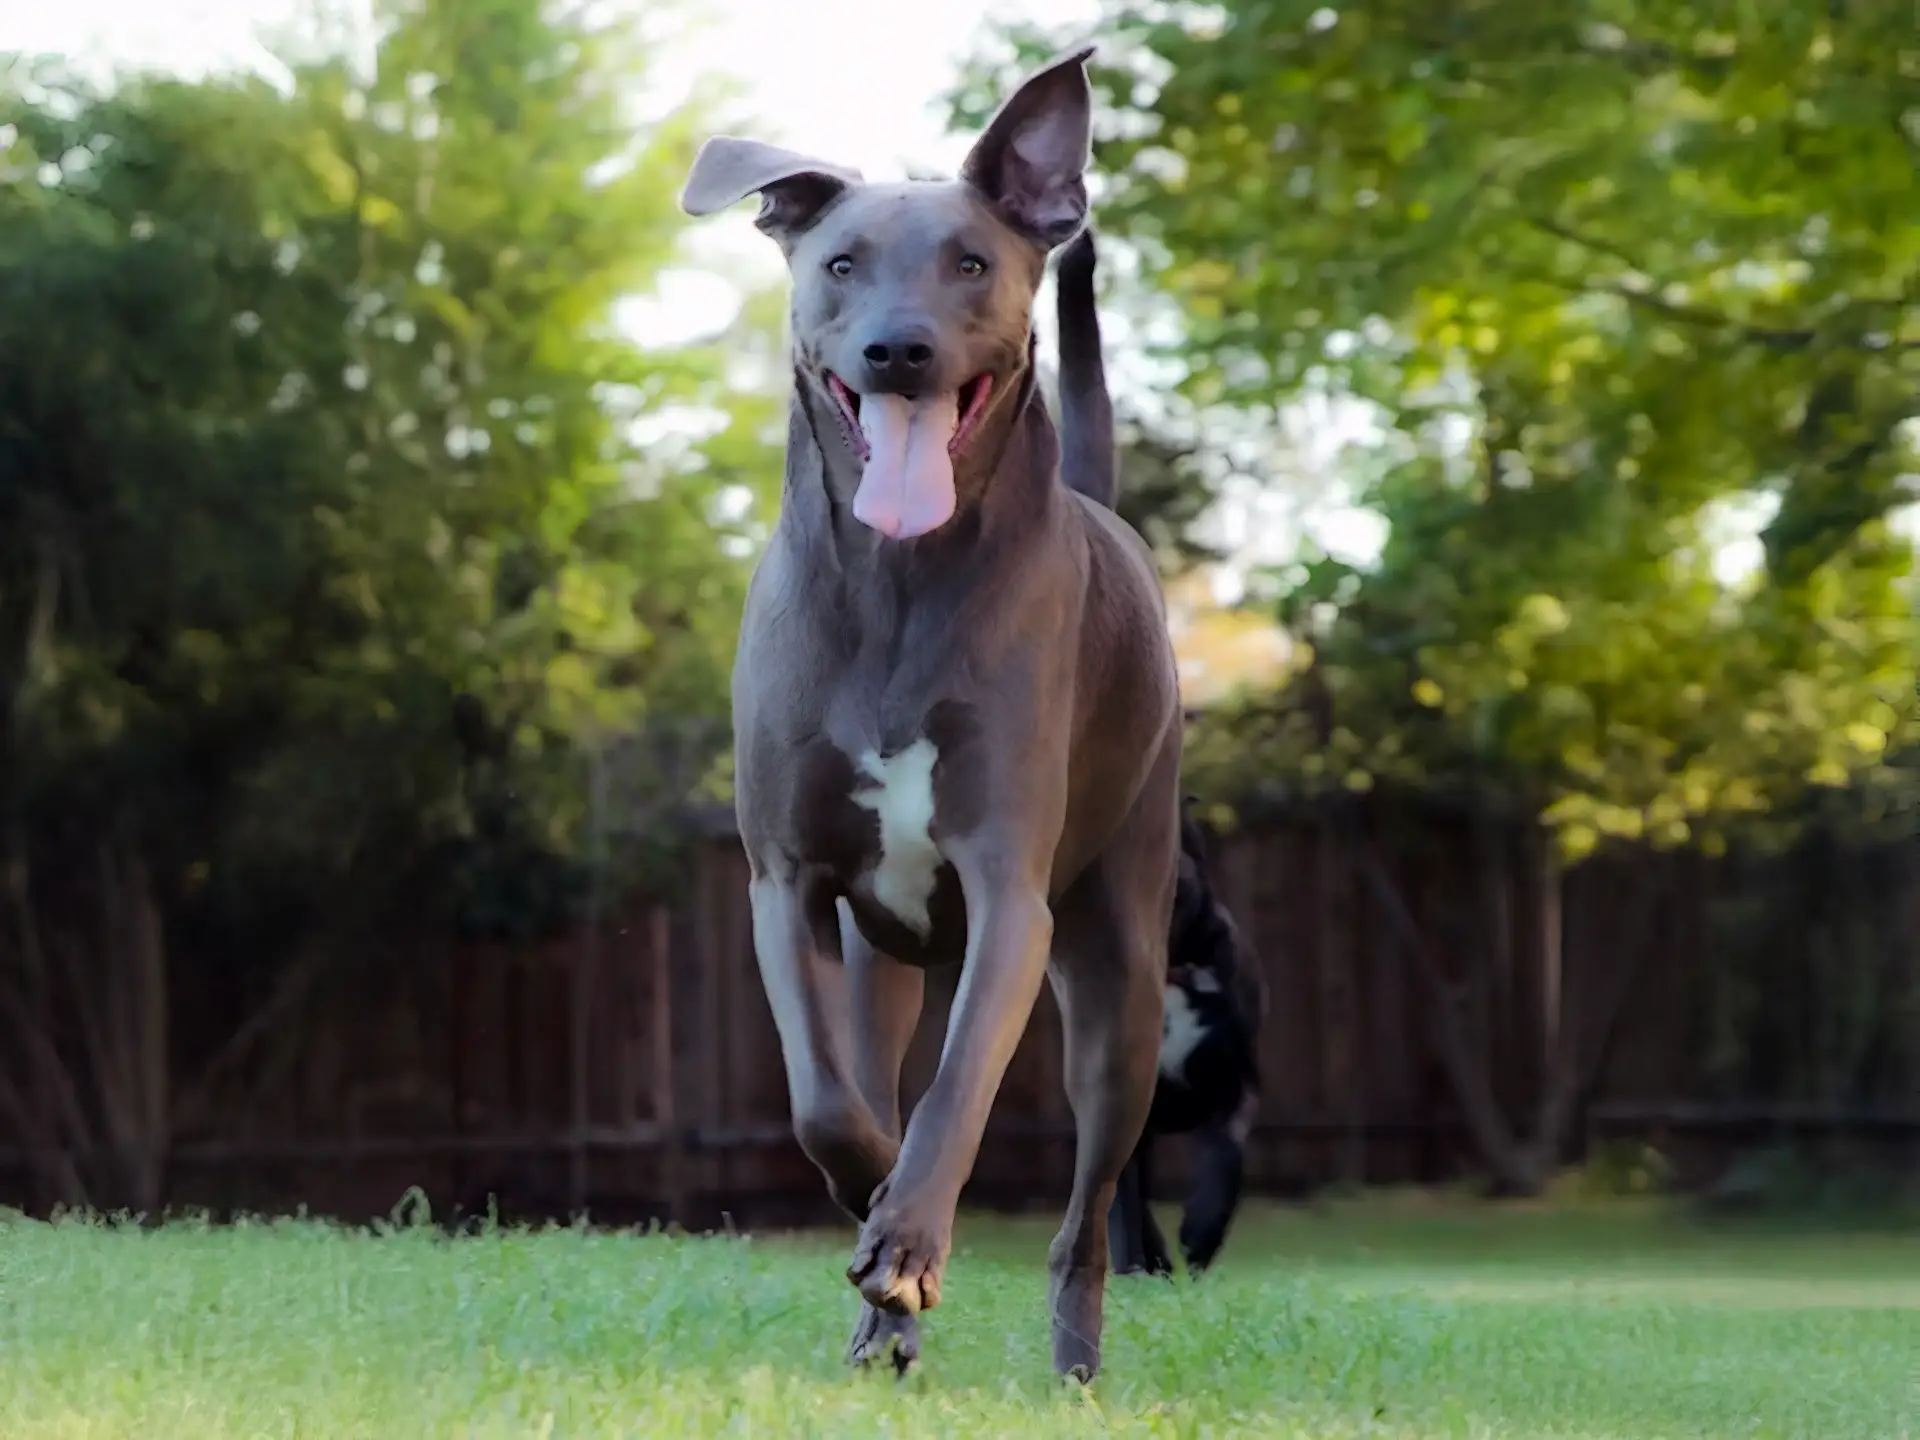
(1006, 482)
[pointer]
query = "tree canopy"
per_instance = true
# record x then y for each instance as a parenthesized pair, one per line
(317, 420)
(1610, 280)
(332, 547)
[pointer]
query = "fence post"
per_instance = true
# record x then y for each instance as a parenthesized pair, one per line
(580, 1032)
(455, 958)
(1497, 995)
(1337, 995)
(585, 972)
(1547, 1064)
(666, 1120)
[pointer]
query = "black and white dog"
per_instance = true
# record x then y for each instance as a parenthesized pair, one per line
(1209, 1080)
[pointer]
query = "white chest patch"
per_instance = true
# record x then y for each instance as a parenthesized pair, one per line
(1180, 1032)
(900, 794)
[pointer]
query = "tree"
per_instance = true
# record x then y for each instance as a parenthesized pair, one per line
(329, 551)
(1600, 281)
(1603, 278)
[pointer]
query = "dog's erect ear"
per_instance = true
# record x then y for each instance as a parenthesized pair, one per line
(794, 189)
(1032, 160)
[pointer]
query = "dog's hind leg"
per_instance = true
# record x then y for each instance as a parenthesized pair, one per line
(884, 998)
(1216, 1186)
(796, 939)
(1109, 975)
(1137, 1244)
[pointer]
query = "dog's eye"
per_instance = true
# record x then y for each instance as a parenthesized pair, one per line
(840, 266)
(972, 266)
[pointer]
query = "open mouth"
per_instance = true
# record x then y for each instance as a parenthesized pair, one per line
(973, 404)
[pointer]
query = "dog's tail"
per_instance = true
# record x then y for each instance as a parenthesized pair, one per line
(1087, 461)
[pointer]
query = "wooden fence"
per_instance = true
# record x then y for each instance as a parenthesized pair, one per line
(634, 1071)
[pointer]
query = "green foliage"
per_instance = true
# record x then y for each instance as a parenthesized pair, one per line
(1165, 489)
(315, 425)
(1620, 1170)
(1605, 276)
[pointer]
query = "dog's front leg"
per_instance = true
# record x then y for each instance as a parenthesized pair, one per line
(796, 940)
(884, 997)
(903, 1247)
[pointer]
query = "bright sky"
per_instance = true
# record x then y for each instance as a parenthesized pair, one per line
(852, 80)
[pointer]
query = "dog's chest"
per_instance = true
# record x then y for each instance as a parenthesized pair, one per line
(870, 817)
(897, 790)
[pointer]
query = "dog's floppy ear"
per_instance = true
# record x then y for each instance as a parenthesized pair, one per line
(1032, 160)
(794, 189)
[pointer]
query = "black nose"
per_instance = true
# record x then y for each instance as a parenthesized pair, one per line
(900, 360)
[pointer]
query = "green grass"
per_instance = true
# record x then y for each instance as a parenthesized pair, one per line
(1379, 1318)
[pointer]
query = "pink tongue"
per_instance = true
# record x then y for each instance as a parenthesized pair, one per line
(907, 488)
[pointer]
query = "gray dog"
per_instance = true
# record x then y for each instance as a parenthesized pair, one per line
(955, 706)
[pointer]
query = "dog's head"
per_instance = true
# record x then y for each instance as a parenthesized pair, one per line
(912, 303)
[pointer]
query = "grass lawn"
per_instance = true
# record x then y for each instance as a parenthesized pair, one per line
(1383, 1317)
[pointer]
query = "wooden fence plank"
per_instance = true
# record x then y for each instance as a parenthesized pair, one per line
(683, 1074)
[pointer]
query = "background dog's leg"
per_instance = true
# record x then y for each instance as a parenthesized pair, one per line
(885, 997)
(1159, 1258)
(796, 939)
(1110, 975)
(904, 1245)
(1126, 1232)
(1215, 1194)
(1138, 1246)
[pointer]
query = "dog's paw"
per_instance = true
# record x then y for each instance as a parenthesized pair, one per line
(1199, 1251)
(898, 1260)
(1078, 1298)
(878, 1335)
